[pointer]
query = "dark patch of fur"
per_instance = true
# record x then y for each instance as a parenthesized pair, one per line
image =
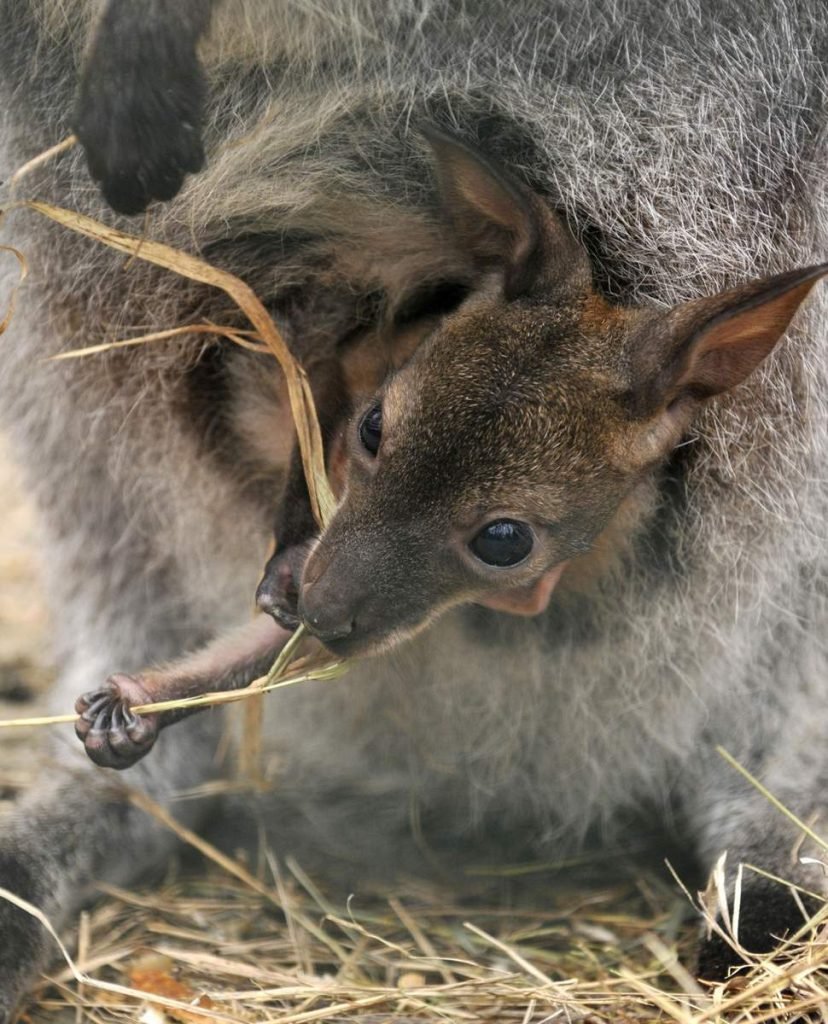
(656, 547)
(434, 300)
(141, 103)
(23, 942)
(768, 915)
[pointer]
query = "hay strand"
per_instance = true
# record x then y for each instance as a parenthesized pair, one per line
(85, 980)
(259, 686)
(299, 392)
(245, 339)
(215, 941)
(40, 160)
(772, 800)
(23, 270)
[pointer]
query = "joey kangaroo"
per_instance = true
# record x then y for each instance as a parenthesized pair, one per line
(579, 282)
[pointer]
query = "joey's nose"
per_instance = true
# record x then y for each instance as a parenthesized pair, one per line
(325, 613)
(327, 629)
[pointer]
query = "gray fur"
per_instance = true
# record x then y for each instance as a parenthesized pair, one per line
(691, 140)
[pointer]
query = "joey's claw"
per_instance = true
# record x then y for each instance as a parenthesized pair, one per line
(113, 736)
(94, 708)
(278, 593)
(286, 618)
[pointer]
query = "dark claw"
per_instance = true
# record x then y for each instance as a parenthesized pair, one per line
(113, 735)
(94, 709)
(285, 617)
(89, 699)
(142, 731)
(86, 699)
(278, 592)
(116, 724)
(101, 724)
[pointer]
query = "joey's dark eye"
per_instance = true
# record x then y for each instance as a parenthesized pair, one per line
(370, 429)
(503, 542)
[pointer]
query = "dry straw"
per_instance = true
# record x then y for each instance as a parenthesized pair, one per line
(210, 949)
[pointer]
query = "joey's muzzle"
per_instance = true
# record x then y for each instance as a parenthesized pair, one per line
(328, 600)
(358, 590)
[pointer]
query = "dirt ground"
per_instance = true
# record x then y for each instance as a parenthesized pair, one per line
(24, 636)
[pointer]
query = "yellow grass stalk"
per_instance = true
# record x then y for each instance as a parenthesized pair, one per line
(204, 700)
(299, 392)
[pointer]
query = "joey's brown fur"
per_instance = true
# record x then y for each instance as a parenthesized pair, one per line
(593, 257)
(339, 384)
(535, 401)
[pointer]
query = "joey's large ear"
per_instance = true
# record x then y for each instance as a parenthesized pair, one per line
(707, 346)
(501, 223)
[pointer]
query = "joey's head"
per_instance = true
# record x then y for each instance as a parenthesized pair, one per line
(505, 445)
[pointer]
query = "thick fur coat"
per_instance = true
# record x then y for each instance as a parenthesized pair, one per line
(687, 147)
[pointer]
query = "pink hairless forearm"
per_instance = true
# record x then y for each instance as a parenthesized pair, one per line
(115, 737)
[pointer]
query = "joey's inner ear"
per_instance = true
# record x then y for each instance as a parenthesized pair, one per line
(708, 346)
(502, 224)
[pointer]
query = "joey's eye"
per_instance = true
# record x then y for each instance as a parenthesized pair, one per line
(370, 429)
(502, 543)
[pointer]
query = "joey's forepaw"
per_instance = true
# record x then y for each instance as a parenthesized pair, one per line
(113, 735)
(139, 118)
(278, 593)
